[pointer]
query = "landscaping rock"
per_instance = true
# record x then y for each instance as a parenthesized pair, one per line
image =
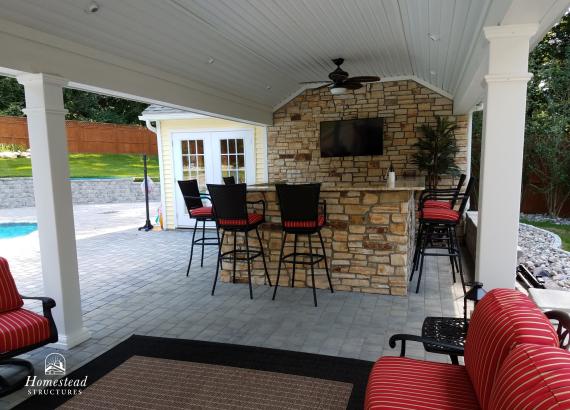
(542, 255)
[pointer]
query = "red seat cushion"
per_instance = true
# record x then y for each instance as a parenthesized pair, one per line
(305, 224)
(21, 328)
(440, 214)
(10, 298)
(205, 211)
(252, 219)
(403, 383)
(503, 319)
(533, 377)
(430, 203)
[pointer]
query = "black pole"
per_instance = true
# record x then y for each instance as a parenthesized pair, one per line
(148, 226)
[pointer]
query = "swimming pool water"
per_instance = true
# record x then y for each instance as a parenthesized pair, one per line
(13, 230)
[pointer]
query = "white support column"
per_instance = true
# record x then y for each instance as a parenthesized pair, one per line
(502, 154)
(54, 209)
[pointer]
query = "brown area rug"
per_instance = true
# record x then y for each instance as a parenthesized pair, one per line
(154, 383)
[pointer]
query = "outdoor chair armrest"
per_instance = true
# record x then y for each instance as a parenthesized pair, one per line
(47, 305)
(201, 196)
(413, 338)
(261, 201)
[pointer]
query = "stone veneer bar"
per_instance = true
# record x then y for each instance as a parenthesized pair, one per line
(368, 238)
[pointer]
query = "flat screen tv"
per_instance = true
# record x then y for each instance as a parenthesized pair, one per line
(352, 137)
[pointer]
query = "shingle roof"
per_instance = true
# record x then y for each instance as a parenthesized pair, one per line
(159, 109)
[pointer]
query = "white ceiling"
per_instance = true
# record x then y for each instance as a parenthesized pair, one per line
(276, 43)
(262, 49)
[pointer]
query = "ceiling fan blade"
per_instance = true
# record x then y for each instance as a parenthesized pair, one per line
(315, 82)
(363, 79)
(351, 85)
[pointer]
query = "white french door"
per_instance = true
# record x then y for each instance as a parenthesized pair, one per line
(208, 157)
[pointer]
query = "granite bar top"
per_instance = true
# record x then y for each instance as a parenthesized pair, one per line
(402, 184)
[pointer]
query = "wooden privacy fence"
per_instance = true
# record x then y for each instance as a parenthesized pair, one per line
(87, 137)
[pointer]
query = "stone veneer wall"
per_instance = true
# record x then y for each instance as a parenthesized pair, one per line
(367, 239)
(293, 140)
(19, 192)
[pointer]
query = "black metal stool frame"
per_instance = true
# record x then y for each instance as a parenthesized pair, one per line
(313, 215)
(194, 201)
(224, 198)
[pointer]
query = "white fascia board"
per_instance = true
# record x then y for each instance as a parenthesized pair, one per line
(172, 116)
(418, 80)
(24, 49)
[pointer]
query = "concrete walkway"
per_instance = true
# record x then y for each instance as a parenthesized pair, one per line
(135, 283)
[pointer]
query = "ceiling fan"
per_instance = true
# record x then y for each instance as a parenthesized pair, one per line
(339, 81)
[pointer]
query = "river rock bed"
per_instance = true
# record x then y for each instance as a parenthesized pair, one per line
(541, 253)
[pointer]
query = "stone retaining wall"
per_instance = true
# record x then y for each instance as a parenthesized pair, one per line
(19, 192)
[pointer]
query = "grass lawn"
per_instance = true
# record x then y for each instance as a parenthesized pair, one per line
(89, 166)
(561, 230)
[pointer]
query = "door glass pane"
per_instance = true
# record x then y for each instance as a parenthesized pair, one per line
(193, 162)
(233, 158)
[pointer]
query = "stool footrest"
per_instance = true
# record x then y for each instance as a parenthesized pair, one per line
(314, 258)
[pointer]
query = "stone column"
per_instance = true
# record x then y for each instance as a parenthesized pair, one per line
(54, 209)
(502, 154)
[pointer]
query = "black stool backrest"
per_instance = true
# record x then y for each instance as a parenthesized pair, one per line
(299, 202)
(460, 183)
(229, 180)
(191, 193)
(229, 201)
(468, 192)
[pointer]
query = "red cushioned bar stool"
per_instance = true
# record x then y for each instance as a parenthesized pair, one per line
(21, 331)
(432, 198)
(437, 231)
(302, 214)
(230, 209)
(200, 213)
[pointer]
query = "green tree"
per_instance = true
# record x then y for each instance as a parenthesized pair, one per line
(82, 105)
(547, 133)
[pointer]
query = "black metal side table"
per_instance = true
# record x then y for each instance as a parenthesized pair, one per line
(450, 330)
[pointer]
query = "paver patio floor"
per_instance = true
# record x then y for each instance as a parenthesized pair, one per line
(135, 283)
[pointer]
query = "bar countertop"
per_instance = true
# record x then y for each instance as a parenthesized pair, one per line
(402, 184)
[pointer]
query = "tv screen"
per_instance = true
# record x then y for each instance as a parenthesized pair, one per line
(352, 137)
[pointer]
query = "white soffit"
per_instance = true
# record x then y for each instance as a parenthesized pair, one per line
(259, 50)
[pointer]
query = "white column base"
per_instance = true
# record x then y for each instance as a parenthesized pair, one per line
(67, 342)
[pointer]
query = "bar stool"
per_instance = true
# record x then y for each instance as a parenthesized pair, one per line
(229, 180)
(433, 198)
(302, 214)
(200, 213)
(230, 209)
(437, 230)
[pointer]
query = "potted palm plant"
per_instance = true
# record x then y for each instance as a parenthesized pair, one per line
(436, 151)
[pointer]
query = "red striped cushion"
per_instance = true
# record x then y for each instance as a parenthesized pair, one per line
(439, 214)
(21, 328)
(533, 377)
(304, 224)
(252, 219)
(430, 203)
(205, 211)
(503, 319)
(9, 296)
(403, 383)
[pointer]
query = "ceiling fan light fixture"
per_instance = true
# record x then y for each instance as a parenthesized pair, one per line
(338, 90)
